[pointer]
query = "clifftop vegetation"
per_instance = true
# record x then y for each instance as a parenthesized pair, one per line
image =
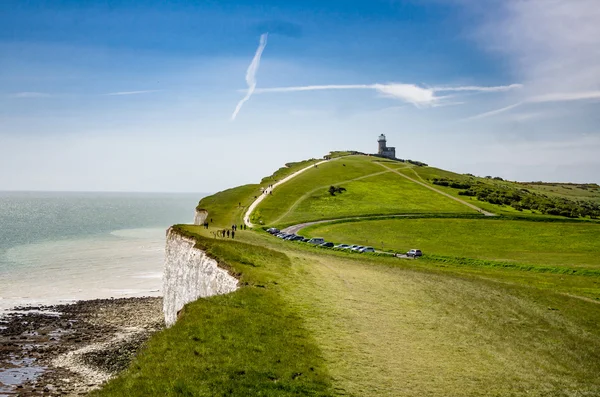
(523, 199)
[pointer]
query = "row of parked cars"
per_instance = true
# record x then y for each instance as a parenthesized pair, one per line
(318, 241)
(413, 253)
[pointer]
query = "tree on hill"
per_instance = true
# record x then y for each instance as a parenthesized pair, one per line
(333, 190)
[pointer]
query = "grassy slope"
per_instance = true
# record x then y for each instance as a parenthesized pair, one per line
(542, 243)
(250, 342)
(426, 174)
(227, 207)
(565, 190)
(370, 191)
(372, 326)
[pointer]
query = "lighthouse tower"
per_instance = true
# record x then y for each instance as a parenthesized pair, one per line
(382, 143)
(385, 151)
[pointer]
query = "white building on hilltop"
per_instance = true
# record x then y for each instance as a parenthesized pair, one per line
(389, 152)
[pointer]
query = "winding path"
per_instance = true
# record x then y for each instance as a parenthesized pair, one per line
(295, 228)
(484, 212)
(260, 198)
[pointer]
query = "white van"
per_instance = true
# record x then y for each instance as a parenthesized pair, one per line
(316, 240)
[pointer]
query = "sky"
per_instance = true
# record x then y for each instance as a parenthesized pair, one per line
(200, 96)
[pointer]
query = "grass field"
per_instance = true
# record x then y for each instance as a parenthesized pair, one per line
(228, 206)
(319, 322)
(369, 326)
(249, 342)
(569, 191)
(370, 190)
(541, 243)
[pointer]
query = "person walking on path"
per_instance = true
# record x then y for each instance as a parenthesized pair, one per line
(227, 232)
(233, 234)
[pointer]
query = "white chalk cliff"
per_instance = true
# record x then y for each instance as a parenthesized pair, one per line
(200, 216)
(190, 274)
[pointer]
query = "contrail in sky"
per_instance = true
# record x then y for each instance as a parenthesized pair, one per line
(411, 93)
(251, 74)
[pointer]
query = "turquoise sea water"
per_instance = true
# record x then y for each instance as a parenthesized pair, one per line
(58, 247)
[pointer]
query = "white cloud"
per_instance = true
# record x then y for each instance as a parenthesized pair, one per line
(251, 74)
(554, 46)
(410, 93)
(566, 96)
(30, 95)
(501, 88)
(132, 92)
(545, 98)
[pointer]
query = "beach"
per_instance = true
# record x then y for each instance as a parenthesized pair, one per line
(80, 284)
(72, 349)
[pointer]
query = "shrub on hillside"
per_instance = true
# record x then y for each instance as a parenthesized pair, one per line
(451, 183)
(333, 190)
(417, 163)
(523, 199)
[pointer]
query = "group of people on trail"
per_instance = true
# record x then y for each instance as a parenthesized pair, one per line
(226, 233)
(267, 190)
(230, 232)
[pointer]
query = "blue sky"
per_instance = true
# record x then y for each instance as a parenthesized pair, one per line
(140, 95)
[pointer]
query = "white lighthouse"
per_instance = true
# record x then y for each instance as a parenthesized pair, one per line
(385, 151)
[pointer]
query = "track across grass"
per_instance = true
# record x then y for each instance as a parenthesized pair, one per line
(310, 321)
(368, 192)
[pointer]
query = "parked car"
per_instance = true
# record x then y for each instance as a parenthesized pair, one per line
(327, 245)
(342, 246)
(357, 248)
(272, 230)
(316, 240)
(297, 238)
(305, 240)
(290, 237)
(367, 249)
(282, 235)
(414, 253)
(351, 247)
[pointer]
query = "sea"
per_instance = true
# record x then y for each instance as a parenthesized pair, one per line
(64, 247)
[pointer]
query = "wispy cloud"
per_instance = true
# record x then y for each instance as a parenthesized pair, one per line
(410, 93)
(131, 92)
(501, 88)
(28, 94)
(546, 98)
(493, 112)
(251, 74)
(553, 46)
(566, 96)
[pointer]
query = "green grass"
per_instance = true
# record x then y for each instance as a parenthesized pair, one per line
(250, 342)
(573, 192)
(371, 326)
(312, 321)
(371, 190)
(387, 330)
(570, 244)
(228, 206)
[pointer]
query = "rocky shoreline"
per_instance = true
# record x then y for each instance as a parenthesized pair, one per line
(69, 350)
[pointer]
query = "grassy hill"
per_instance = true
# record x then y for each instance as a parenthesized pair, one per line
(514, 198)
(321, 322)
(370, 189)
